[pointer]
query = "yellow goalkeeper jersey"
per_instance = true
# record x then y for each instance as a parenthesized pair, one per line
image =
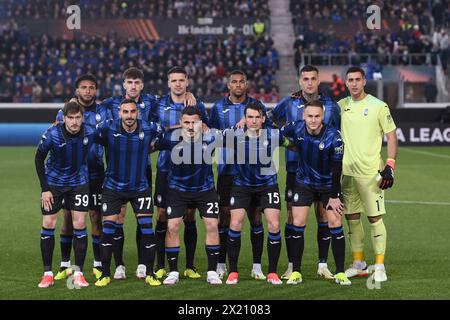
(363, 125)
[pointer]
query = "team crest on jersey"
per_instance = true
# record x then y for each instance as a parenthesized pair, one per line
(232, 201)
(296, 197)
(169, 211)
(204, 146)
(265, 143)
(98, 117)
(321, 146)
(366, 111)
(85, 141)
(104, 207)
(141, 135)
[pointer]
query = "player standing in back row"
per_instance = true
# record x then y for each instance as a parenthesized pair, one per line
(365, 120)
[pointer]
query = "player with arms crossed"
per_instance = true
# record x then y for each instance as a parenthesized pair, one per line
(290, 109)
(190, 185)
(65, 177)
(320, 150)
(365, 120)
(127, 143)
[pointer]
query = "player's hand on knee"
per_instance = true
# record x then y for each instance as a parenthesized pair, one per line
(336, 206)
(387, 177)
(47, 200)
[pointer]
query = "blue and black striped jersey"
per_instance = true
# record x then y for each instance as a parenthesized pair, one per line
(66, 165)
(168, 114)
(317, 154)
(255, 166)
(226, 114)
(93, 115)
(145, 104)
(190, 163)
(290, 109)
(127, 154)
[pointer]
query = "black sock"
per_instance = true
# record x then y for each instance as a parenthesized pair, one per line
(257, 239)
(212, 252)
(172, 258)
(288, 238)
(323, 241)
(47, 247)
(298, 245)
(273, 250)
(147, 243)
(80, 243)
(138, 243)
(338, 247)
(223, 235)
(96, 248)
(161, 230)
(119, 239)
(190, 242)
(233, 249)
(66, 246)
(107, 246)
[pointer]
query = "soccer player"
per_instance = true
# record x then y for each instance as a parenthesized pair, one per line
(290, 109)
(65, 177)
(256, 180)
(133, 83)
(226, 113)
(319, 169)
(127, 143)
(167, 112)
(86, 91)
(365, 120)
(190, 184)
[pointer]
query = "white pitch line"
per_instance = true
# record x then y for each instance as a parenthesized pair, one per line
(436, 203)
(432, 154)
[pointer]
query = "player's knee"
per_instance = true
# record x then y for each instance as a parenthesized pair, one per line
(353, 216)
(79, 220)
(236, 225)
(273, 225)
(211, 226)
(374, 219)
(49, 222)
(173, 227)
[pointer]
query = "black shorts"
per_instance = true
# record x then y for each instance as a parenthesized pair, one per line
(304, 196)
(224, 186)
(264, 197)
(95, 196)
(161, 189)
(72, 198)
(206, 202)
(290, 186)
(112, 201)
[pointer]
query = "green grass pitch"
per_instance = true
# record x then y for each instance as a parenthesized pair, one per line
(417, 257)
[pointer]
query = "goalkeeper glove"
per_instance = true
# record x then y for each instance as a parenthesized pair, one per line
(387, 176)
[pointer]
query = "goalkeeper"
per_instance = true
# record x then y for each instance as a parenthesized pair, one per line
(364, 121)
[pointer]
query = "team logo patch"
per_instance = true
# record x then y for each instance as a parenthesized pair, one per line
(104, 207)
(366, 111)
(321, 146)
(159, 198)
(98, 117)
(169, 210)
(296, 197)
(204, 146)
(85, 141)
(289, 193)
(232, 201)
(141, 135)
(265, 143)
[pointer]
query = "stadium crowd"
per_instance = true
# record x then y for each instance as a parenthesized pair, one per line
(423, 29)
(43, 69)
(103, 9)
